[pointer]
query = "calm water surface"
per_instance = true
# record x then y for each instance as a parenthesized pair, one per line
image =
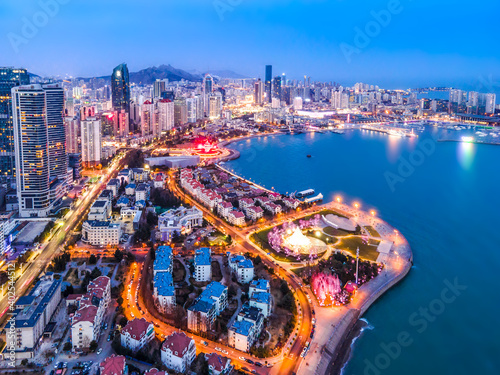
(444, 198)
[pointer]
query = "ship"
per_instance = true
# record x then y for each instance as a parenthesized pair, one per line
(304, 193)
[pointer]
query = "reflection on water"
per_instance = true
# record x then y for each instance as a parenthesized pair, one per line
(466, 152)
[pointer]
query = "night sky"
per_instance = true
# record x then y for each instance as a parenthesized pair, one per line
(413, 43)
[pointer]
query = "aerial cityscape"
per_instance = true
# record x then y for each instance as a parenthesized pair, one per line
(235, 187)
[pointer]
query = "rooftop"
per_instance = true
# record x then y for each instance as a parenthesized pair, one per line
(261, 297)
(136, 328)
(113, 365)
(214, 289)
(178, 343)
(164, 284)
(202, 257)
(242, 327)
(39, 297)
(261, 284)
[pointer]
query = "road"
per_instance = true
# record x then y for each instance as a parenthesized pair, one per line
(52, 248)
(291, 362)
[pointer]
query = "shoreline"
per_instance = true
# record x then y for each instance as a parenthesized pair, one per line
(336, 352)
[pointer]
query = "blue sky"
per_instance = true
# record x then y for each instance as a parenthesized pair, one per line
(425, 42)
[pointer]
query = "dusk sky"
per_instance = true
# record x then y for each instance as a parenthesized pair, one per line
(426, 42)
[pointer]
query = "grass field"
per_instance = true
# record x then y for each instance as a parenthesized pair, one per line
(366, 251)
(372, 231)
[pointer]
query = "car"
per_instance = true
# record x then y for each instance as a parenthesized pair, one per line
(250, 361)
(205, 343)
(132, 315)
(218, 349)
(225, 352)
(314, 321)
(241, 358)
(99, 351)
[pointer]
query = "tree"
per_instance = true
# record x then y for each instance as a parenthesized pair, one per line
(93, 346)
(67, 346)
(123, 321)
(24, 362)
(118, 255)
(69, 290)
(92, 259)
(257, 260)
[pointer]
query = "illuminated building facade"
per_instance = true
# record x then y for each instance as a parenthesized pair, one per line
(9, 78)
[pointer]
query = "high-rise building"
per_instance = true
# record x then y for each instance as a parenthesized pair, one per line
(91, 142)
(208, 84)
(191, 110)
(9, 78)
(180, 111)
(458, 101)
(268, 82)
(31, 144)
(159, 87)
(258, 92)
(215, 105)
(199, 107)
(120, 88)
(72, 131)
(276, 88)
(489, 101)
(58, 160)
(147, 118)
(165, 115)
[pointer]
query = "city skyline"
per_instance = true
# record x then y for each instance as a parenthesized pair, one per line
(321, 39)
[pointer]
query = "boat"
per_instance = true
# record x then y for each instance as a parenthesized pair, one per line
(338, 131)
(308, 156)
(304, 193)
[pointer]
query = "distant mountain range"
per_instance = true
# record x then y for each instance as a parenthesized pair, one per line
(149, 75)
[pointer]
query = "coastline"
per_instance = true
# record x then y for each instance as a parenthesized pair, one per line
(335, 352)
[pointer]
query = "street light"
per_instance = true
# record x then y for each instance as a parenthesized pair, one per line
(356, 205)
(338, 199)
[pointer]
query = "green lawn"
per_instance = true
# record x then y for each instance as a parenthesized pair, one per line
(335, 232)
(372, 231)
(366, 251)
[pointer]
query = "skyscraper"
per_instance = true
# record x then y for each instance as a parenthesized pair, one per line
(31, 144)
(120, 88)
(208, 84)
(166, 115)
(268, 82)
(215, 106)
(58, 162)
(277, 88)
(91, 142)
(9, 78)
(147, 118)
(72, 130)
(159, 87)
(258, 93)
